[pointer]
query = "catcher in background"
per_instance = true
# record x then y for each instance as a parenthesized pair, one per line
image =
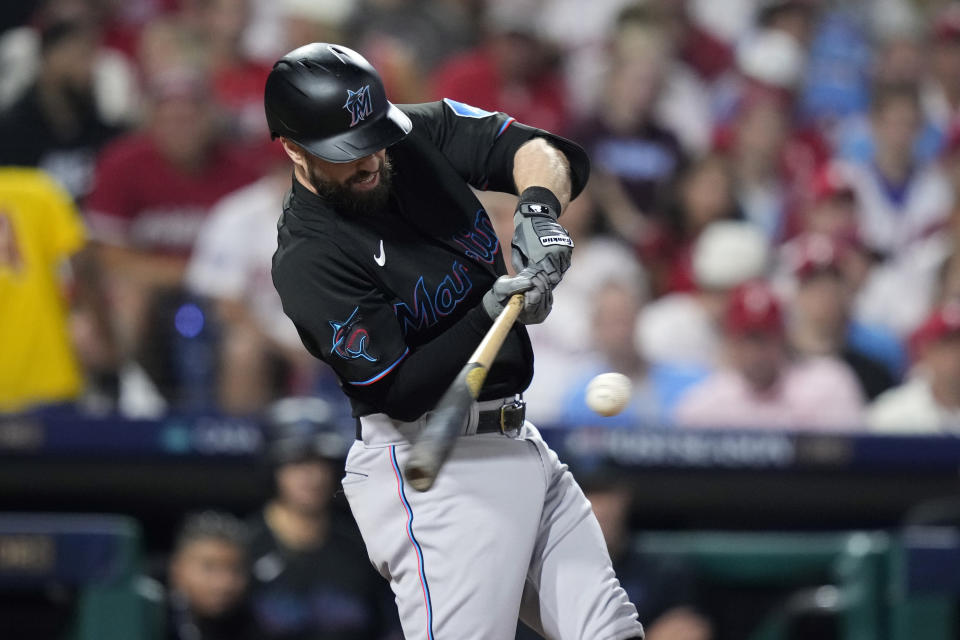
(392, 273)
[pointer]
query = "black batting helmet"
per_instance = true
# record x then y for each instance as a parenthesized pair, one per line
(331, 101)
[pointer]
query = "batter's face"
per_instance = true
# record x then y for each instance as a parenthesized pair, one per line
(357, 187)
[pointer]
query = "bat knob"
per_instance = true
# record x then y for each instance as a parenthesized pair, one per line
(418, 476)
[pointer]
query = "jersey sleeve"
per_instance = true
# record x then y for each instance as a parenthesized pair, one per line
(481, 144)
(340, 316)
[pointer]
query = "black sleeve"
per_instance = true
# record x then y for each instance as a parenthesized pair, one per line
(341, 317)
(343, 320)
(481, 144)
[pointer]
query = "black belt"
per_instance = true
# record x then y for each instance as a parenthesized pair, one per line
(509, 417)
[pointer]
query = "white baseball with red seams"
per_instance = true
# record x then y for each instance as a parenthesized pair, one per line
(609, 393)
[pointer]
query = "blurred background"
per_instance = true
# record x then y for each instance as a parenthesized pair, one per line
(769, 247)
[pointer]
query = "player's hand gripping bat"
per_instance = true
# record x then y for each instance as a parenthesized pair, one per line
(445, 423)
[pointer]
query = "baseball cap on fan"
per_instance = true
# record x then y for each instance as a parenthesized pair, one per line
(753, 309)
(728, 253)
(829, 183)
(816, 253)
(771, 58)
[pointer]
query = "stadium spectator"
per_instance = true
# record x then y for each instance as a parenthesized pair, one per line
(57, 125)
(836, 84)
(614, 320)
(795, 18)
(899, 198)
(772, 162)
(940, 93)
(312, 578)
(900, 292)
(900, 57)
(208, 575)
(663, 589)
(696, 59)
(584, 37)
(703, 195)
(152, 193)
(513, 70)
(40, 231)
(123, 21)
(165, 45)
(938, 258)
(683, 104)
(236, 81)
(407, 40)
(278, 26)
(261, 357)
(761, 386)
(929, 402)
(832, 210)
(634, 156)
(773, 153)
(306, 21)
(566, 336)
(819, 315)
(682, 329)
(832, 215)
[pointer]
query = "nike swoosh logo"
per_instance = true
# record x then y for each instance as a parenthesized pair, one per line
(382, 258)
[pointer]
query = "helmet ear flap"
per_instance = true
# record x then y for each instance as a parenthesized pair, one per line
(332, 103)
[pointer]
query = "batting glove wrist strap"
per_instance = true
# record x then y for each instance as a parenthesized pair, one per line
(539, 201)
(538, 239)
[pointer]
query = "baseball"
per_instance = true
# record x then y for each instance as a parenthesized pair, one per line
(608, 393)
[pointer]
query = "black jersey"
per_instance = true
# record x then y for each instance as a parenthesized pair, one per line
(392, 300)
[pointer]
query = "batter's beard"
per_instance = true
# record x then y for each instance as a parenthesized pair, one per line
(343, 199)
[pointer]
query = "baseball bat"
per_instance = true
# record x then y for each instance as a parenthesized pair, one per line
(445, 423)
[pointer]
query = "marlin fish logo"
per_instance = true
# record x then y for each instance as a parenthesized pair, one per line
(359, 104)
(349, 340)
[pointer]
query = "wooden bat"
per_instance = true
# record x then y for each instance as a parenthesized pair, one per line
(445, 423)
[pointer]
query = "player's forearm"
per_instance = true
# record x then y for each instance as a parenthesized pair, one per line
(416, 385)
(539, 164)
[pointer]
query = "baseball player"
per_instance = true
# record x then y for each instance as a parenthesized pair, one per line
(392, 273)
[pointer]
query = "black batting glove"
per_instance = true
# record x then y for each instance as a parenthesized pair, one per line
(538, 239)
(537, 295)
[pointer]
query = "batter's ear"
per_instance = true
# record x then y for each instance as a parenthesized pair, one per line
(296, 154)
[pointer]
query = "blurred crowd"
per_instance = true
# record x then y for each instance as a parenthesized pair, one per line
(768, 239)
(296, 569)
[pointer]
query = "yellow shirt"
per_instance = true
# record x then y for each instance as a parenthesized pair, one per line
(39, 228)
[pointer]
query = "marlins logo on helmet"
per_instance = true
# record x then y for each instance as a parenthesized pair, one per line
(358, 104)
